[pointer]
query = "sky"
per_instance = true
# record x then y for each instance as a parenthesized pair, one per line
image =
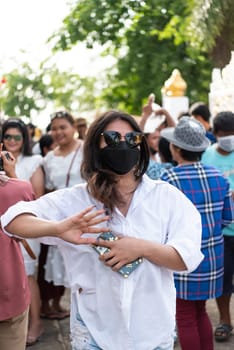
(27, 24)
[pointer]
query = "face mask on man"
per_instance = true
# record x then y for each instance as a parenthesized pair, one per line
(120, 159)
(226, 143)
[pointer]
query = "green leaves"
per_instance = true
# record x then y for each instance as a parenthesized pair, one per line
(148, 38)
(27, 92)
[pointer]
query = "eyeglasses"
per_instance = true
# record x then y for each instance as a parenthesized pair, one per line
(112, 138)
(9, 137)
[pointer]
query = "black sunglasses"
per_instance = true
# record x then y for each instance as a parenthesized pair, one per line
(112, 138)
(9, 137)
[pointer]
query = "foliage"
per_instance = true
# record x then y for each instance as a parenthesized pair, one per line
(149, 39)
(207, 20)
(26, 92)
(211, 28)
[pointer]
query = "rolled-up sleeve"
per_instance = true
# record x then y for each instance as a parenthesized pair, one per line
(185, 231)
(47, 207)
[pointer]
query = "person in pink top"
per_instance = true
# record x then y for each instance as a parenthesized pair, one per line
(14, 289)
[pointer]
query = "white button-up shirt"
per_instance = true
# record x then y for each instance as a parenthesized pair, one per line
(137, 313)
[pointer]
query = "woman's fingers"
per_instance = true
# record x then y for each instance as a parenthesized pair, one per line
(93, 216)
(91, 225)
(95, 221)
(97, 230)
(86, 240)
(109, 259)
(112, 262)
(86, 211)
(86, 219)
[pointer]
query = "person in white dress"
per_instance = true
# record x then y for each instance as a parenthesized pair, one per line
(26, 167)
(154, 234)
(62, 169)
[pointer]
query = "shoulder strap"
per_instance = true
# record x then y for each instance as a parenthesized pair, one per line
(72, 161)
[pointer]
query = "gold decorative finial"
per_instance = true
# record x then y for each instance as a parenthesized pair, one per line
(175, 85)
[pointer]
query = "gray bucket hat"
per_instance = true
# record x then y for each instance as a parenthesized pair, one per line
(189, 134)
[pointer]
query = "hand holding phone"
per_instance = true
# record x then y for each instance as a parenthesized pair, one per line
(7, 163)
(125, 270)
(7, 155)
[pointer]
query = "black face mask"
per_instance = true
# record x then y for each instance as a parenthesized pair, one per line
(120, 159)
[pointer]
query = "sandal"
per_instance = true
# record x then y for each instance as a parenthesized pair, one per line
(32, 339)
(223, 332)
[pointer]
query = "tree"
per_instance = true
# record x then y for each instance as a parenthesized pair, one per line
(211, 28)
(27, 92)
(149, 39)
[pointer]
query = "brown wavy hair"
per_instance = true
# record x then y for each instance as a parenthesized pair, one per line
(101, 182)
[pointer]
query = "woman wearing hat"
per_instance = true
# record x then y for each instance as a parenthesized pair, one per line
(210, 193)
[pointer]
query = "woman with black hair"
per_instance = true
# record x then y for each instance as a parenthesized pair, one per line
(124, 300)
(26, 167)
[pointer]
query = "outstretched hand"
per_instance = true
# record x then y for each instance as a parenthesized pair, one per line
(72, 228)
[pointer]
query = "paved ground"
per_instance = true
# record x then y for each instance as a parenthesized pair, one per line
(56, 335)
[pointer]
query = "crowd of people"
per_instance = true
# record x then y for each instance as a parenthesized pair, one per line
(155, 203)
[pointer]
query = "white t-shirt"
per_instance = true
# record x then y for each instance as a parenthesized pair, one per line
(137, 313)
(57, 167)
(27, 165)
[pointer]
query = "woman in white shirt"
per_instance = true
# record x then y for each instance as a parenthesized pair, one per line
(62, 169)
(109, 311)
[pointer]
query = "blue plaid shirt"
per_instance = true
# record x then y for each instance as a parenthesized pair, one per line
(210, 193)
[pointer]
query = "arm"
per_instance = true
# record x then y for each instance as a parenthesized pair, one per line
(147, 110)
(176, 245)
(228, 208)
(37, 181)
(71, 229)
(169, 121)
(127, 249)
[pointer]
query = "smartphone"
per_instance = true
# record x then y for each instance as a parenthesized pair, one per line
(7, 155)
(125, 270)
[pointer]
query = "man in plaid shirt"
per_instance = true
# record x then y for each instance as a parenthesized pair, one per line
(210, 192)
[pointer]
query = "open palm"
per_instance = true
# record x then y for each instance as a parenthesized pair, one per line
(72, 228)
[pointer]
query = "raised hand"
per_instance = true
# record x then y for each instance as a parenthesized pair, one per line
(147, 109)
(8, 162)
(72, 228)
